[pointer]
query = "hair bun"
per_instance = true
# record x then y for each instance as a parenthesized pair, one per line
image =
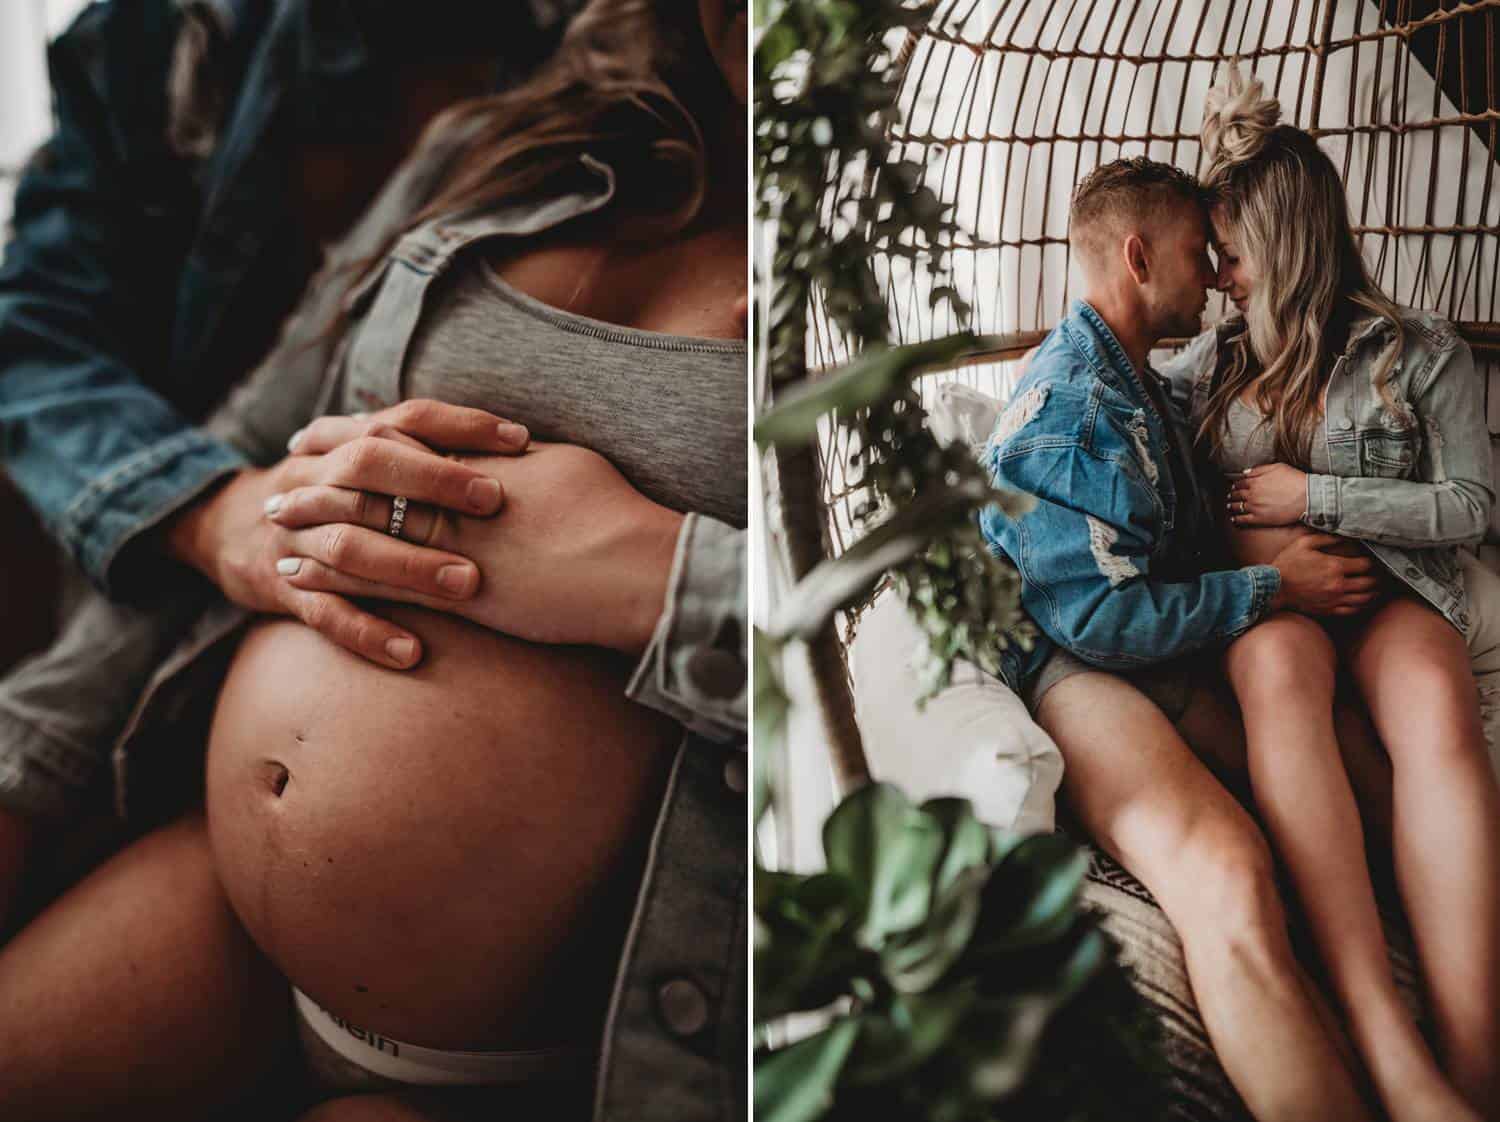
(1237, 118)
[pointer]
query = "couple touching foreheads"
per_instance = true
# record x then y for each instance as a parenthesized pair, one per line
(1271, 520)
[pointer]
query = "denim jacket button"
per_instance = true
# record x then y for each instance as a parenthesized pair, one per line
(717, 674)
(1413, 572)
(734, 773)
(1345, 424)
(683, 1006)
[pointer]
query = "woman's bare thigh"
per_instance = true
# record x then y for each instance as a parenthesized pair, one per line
(447, 855)
(138, 994)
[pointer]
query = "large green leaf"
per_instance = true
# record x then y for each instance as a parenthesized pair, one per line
(897, 1040)
(966, 840)
(917, 960)
(1032, 897)
(880, 841)
(840, 581)
(876, 375)
(795, 1084)
(806, 954)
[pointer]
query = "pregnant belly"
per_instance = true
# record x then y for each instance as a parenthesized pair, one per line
(446, 855)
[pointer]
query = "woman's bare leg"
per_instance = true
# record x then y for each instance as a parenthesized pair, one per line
(1283, 672)
(137, 994)
(1147, 799)
(1413, 669)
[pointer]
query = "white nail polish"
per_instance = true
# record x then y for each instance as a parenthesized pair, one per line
(288, 566)
(273, 504)
(360, 416)
(291, 445)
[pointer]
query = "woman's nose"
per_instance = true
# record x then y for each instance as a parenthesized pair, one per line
(1221, 277)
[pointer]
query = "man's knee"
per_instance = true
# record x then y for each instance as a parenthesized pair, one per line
(1232, 900)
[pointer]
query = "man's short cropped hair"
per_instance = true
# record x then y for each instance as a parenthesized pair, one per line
(1118, 198)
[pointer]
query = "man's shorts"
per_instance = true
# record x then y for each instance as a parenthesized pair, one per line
(1169, 684)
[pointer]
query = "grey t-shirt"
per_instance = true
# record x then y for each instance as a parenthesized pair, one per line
(1250, 442)
(667, 410)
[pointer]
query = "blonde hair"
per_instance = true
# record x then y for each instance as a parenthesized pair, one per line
(1284, 201)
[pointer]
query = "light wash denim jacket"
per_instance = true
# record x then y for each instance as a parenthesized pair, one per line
(676, 1042)
(1413, 484)
(1113, 556)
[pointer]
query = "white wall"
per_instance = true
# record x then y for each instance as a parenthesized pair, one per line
(25, 110)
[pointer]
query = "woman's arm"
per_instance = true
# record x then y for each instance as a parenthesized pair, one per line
(577, 556)
(1452, 509)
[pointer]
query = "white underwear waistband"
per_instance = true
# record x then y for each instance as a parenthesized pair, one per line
(435, 1067)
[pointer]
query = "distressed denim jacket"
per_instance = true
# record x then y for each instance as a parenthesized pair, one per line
(677, 1035)
(155, 247)
(1113, 556)
(1414, 483)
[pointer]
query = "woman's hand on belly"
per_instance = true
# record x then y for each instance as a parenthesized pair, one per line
(575, 556)
(231, 535)
(1268, 495)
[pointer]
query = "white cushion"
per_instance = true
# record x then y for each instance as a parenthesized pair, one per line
(974, 739)
(964, 414)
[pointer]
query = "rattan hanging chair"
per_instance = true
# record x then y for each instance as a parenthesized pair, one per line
(1009, 104)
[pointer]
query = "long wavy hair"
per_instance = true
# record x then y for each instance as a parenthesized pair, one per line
(1284, 202)
(628, 84)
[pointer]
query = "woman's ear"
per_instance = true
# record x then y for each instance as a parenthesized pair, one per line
(1135, 258)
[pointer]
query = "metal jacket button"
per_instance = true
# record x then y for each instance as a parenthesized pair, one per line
(683, 1006)
(716, 673)
(734, 773)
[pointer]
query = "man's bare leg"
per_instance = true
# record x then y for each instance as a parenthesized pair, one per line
(1144, 796)
(1213, 728)
(137, 994)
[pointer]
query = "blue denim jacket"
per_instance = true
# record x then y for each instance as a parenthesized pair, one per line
(1414, 483)
(1113, 554)
(150, 265)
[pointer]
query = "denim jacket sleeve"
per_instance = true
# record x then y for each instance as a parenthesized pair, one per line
(87, 290)
(1451, 505)
(1085, 549)
(694, 667)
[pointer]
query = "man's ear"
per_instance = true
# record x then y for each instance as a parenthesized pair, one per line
(1135, 258)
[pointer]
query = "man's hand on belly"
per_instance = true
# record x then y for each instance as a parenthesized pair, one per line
(248, 535)
(576, 555)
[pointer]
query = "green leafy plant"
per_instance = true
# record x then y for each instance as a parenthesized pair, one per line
(958, 976)
(836, 195)
(948, 971)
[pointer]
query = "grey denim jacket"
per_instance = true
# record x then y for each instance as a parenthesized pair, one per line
(676, 1039)
(1413, 484)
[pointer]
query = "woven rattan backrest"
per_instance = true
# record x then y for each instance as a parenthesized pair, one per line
(1009, 103)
